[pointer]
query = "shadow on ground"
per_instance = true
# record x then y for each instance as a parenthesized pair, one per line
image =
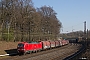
(11, 52)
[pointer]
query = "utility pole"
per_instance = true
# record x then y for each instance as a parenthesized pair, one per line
(85, 28)
(85, 37)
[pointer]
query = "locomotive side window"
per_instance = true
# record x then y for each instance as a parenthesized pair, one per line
(20, 45)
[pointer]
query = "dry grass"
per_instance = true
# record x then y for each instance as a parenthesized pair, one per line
(7, 46)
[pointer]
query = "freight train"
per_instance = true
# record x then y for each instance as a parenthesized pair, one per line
(26, 47)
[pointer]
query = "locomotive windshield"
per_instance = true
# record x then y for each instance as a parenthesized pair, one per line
(20, 45)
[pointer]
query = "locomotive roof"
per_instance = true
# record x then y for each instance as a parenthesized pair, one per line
(28, 42)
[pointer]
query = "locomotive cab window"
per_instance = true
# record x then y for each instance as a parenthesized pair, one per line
(20, 45)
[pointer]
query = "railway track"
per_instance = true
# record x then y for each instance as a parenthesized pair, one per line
(53, 54)
(80, 54)
(76, 55)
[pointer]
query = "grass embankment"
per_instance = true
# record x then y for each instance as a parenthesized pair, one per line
(4, 46)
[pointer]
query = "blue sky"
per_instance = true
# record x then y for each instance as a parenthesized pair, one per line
(71, 13)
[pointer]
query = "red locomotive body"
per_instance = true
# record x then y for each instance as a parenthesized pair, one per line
(24, 47)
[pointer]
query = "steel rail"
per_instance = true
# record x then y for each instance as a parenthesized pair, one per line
(75, 56)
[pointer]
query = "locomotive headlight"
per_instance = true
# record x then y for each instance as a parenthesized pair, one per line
(22, 49)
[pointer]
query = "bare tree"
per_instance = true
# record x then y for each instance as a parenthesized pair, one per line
(49, 23)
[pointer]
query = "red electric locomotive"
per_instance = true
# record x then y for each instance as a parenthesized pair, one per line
(24, 47)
